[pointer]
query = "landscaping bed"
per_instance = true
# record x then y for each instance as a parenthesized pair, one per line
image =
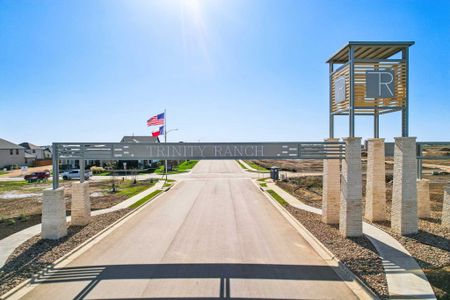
(21, 202)
(430, 247)
(35, 253)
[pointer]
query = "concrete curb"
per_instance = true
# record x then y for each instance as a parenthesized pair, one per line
(28, 284)
(360, 289)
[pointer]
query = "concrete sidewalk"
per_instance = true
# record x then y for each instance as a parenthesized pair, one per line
(10, 243)
(404, 276)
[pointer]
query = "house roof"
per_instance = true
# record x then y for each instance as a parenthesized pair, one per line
(29, 155)
(27, 145)
(139, 139)
(369, 50)
(4, 144)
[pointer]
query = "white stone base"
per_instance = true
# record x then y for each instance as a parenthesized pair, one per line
(423, 198)
(375, 208)
(404, 218)
(331, 189)
(53, 214)
(350, 215)
(446, 208)
(81, 204)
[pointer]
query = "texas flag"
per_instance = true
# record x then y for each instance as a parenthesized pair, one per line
(159, 132)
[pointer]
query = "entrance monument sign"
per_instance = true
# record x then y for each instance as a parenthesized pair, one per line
(186, 151)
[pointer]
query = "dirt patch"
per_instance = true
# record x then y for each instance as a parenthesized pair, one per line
(35, 254)
(306, 189)
(18, 213)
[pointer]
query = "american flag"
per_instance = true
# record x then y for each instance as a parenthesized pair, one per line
(156, 120)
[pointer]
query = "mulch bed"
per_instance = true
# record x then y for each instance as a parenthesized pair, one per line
(358, 254)
(36, 253)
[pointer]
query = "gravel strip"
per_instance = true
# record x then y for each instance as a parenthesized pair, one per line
(358, 254)
(36, 253)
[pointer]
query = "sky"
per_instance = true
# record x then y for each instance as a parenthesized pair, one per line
(225, 70)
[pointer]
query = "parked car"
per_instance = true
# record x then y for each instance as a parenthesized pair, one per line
(37, 176)
(75, 174)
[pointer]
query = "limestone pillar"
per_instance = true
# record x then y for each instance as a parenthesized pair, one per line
(53, 214)
(350, 216)
(375, 208)
(331, 189)
(404, 195)
(81, 204)
(423, 198)
(446, 208)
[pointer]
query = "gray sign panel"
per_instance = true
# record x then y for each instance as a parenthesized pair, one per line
(380, 84)
(181, 151)
(339, 89)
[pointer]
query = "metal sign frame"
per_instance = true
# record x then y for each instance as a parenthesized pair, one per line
(187, 151)
(352, 62)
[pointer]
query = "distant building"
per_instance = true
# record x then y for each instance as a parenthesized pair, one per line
(139, 139)
(33, 150)
(131, 164)
(140, 164)
(11, 154)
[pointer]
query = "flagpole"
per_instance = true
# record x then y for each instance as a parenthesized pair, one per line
(165, 139)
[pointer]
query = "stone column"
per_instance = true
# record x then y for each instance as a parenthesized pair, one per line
(331, 189)
(404, 195)
(53, 214)
(375, 208)
(446, 208)
(350, 216)
(81, 204)
(423, 198)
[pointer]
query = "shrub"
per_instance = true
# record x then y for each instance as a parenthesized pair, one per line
(23, 218)
(10, 222)
(97, 170)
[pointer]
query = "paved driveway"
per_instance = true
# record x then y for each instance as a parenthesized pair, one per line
(214, 235)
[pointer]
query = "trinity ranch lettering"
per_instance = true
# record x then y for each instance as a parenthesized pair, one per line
(163, 151)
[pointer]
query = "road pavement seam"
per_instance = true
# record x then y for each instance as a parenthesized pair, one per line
(355, 284)
(27, 285)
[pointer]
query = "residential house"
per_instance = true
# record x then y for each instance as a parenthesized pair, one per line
(34, 150)
(11, 154)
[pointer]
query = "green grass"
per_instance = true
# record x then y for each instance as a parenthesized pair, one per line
(167, 184)
(6, 186)
(242, 166)
(128, 189)
(277, 197)
(263, 184)
(145, 199)
(3, 172)
(263, 179)
(256, 166)
(105, 173)
(185, 166)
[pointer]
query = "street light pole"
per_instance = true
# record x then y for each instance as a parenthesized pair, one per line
(165, 140)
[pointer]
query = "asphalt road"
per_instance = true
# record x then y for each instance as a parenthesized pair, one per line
(214, 235)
